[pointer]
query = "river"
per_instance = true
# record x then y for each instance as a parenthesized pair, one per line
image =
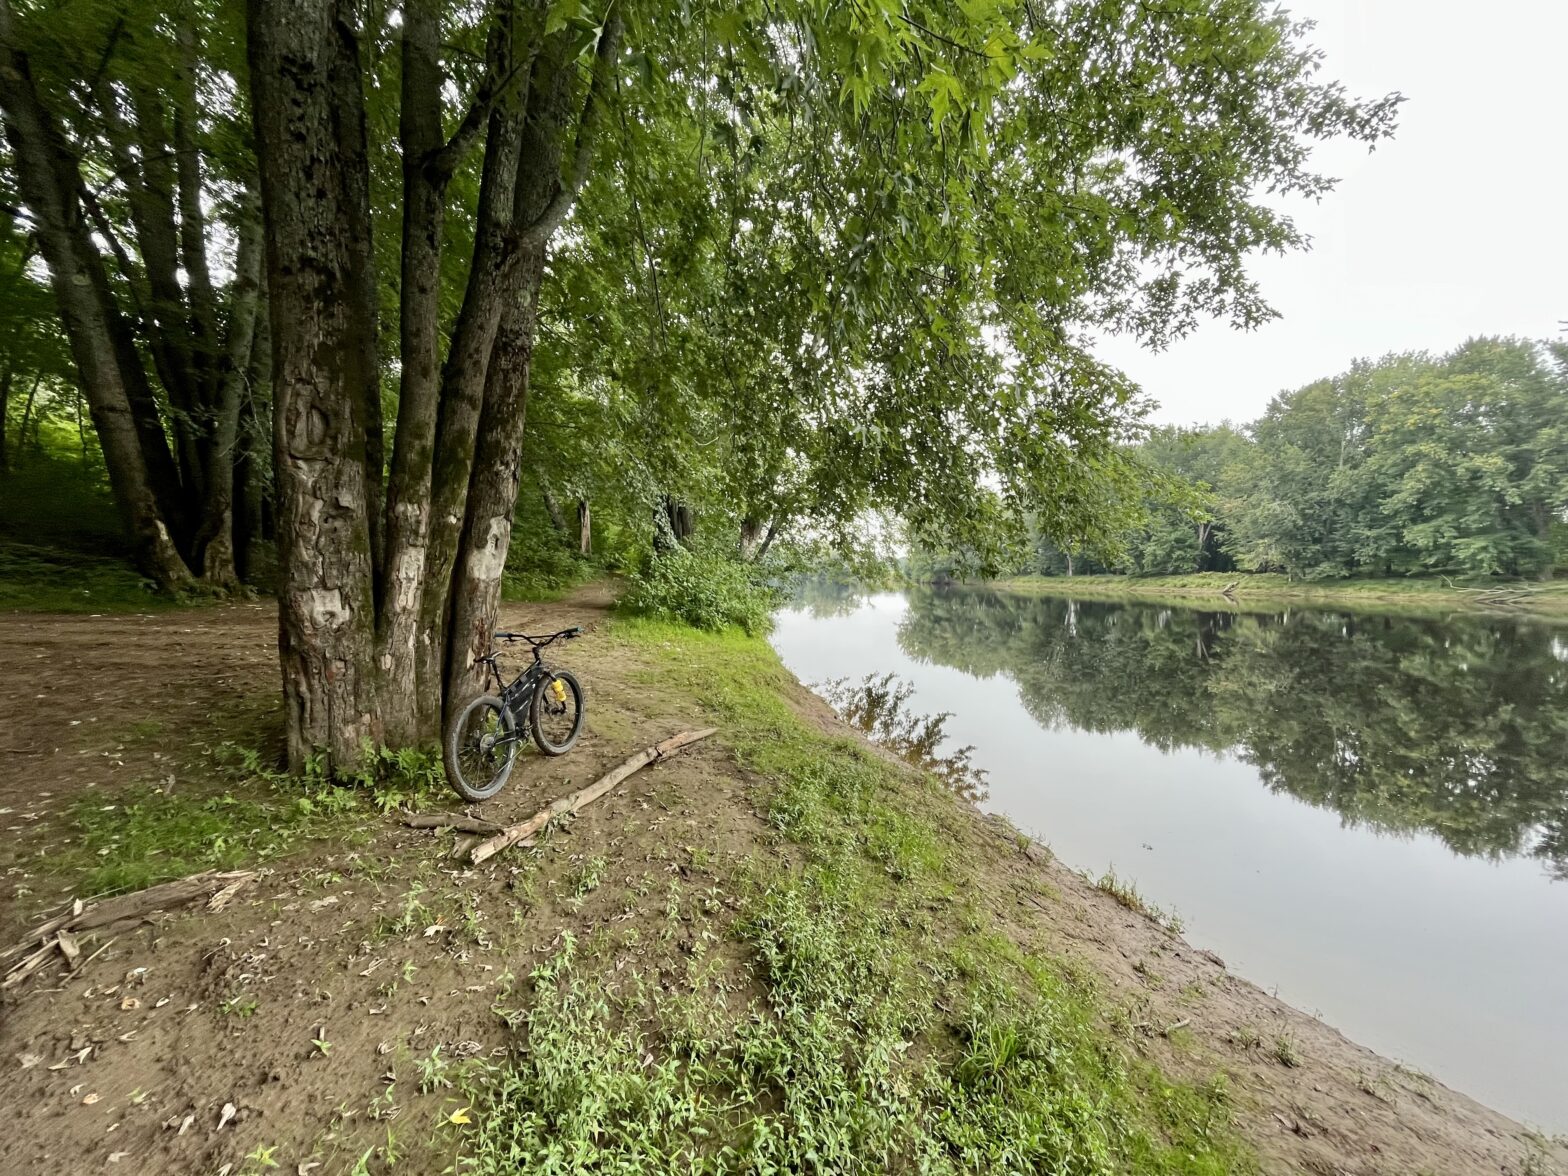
(1365, 814)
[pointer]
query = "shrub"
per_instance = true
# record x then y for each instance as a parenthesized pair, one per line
(706, 591)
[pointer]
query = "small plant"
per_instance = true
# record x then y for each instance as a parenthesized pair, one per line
(241, 1004)
(586, 878)
(1245, 1037)
(321, 1044)
(433, 1072)
(413, 915)
(1285, 1051)
(1126, 893)
(263, 1157)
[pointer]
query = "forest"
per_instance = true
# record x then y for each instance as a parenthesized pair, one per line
(297, 275)
(1410, 465)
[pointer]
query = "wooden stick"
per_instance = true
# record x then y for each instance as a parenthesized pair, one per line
(29, 965)
(583, 797)
(45, 930)
(462, 822)
(213, 884)
(140, 903)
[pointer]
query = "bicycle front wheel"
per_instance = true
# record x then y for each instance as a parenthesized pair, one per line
(557, 713)
(480, 748)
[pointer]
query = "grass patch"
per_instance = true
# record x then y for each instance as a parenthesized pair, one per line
(886, 1025)
(46, 579)
(143, 835)
(1260, 591)
(1126, 893)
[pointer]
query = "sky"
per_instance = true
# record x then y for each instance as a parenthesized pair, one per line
(1455, 227)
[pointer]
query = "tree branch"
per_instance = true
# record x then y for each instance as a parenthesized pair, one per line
(554, 213)
(489, 94)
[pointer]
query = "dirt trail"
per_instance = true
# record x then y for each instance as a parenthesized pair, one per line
(323, 1004)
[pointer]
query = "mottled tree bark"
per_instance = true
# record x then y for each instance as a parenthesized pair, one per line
(492, 496)
(429, 160)
(542, 197)
(491, 284)
(309, 112)
(584, 528)
(750, 537)
(552, 508)
(216, 536)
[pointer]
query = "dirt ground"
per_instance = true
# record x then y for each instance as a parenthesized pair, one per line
(306, 1024)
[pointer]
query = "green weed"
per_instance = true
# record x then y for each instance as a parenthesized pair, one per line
(878, 1037)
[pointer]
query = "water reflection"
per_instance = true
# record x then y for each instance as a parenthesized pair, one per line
(1458, 728)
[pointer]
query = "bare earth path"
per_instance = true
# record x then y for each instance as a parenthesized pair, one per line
(390, 953)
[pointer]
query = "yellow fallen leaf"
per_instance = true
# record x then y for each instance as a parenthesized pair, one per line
(459, 1116)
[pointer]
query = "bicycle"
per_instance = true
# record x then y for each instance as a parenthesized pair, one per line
(481, 743)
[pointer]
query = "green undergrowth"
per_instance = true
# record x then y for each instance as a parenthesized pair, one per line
(704, 589)
(48, 579)
(246, 812)
(887, 1024)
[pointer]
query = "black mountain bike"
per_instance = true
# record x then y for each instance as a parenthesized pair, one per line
(481, 743)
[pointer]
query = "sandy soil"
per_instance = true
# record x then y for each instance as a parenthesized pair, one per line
(387, 951)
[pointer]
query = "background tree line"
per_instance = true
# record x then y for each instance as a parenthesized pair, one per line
(1411, 464)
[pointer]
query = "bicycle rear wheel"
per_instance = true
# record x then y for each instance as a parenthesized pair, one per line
(480, 749)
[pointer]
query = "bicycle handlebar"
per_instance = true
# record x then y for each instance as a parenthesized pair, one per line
(542, 639)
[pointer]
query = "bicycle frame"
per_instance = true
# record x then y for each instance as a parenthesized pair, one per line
(519, 695)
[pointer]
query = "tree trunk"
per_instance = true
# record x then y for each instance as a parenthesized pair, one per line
(750, 537)
(462, 395)
(408, 484)
(149, 180)
(767, 540)
(309, 115)
(584, 528)
(5, 408)
(492, 496)
(540, 200)
(193, 221)
(141, 469)
(553, 509)
(253, 463)
(217, 530)
(675, 524)
(27, 415)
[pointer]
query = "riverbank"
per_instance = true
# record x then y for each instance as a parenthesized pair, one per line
(1260, 591)
(783, 943)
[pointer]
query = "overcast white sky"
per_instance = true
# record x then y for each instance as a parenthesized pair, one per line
(1456, 227)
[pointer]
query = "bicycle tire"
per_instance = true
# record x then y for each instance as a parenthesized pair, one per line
(463, 737)
(542, 709)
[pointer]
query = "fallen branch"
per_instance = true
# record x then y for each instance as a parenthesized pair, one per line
(513, 834)
(462, 822)
(60, 932)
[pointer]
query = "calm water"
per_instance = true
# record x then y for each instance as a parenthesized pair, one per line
(1367, 814)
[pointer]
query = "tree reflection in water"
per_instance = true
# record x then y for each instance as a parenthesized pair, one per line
(1457, 727)
(879, 706)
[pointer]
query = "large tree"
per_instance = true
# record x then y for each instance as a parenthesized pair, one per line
(966, 190)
